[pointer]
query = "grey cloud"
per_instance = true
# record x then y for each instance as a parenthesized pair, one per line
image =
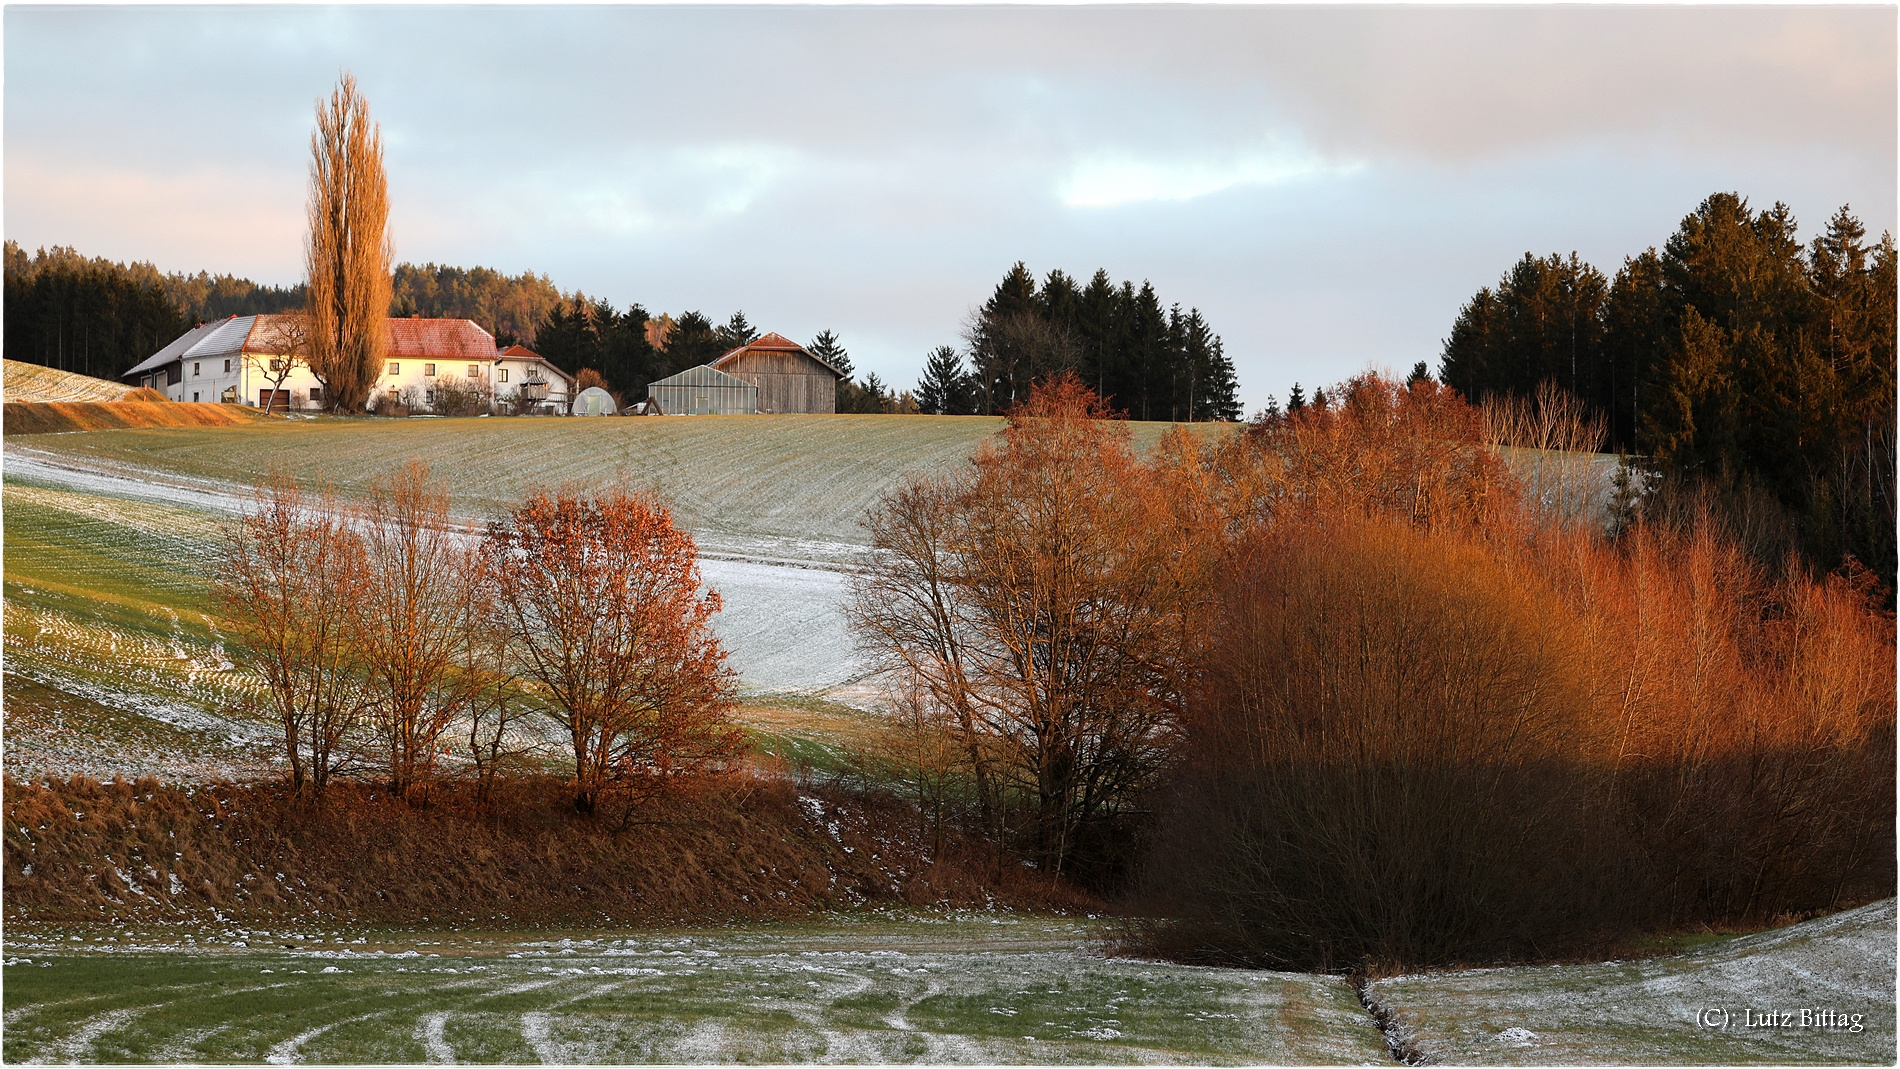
(1355, 172)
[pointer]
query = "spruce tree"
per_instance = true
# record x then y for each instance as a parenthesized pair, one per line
(946, 389)
(828, 348)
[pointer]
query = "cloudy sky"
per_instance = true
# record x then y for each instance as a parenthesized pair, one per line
(1326, 184)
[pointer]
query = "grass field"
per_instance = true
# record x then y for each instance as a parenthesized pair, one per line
(877, 988)
(767, 487)
(110, 537)
(1697, 1007)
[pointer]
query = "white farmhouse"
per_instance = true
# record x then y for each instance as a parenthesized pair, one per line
(238, 360)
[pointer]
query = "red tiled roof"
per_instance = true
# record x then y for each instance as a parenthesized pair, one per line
(520, 350)
(416, 339)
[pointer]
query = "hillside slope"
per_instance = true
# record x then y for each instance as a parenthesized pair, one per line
(1705, 1006)
(762, 487)
(21, 381)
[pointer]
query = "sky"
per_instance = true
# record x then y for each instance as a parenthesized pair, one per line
(1328, 185)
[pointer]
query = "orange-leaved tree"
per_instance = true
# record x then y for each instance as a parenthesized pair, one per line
(602, 596)
(1033, 601)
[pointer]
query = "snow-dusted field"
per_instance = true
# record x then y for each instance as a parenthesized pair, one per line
(782, 622)
(1817, 992)
(937, 988)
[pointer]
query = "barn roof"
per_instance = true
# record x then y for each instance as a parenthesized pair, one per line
(775, 343)
(703, 375)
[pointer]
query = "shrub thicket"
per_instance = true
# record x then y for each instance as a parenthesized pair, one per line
(1438, 720)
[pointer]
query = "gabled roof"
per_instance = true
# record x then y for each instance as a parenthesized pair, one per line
(775, 343)
(703, 375)
(407, 339)
(443, 339)
(206, 341)
(529, 356)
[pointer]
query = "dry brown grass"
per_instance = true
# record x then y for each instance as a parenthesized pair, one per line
(28, 417)
(705, 849)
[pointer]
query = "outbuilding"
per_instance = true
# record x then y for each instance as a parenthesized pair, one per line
(788, 377)
(703, 391)
(594, 401)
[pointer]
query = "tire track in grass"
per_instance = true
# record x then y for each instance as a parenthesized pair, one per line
(285, 1052)
(537, 1026)
(430, 1032)
(537, 1030)
(73, 1048)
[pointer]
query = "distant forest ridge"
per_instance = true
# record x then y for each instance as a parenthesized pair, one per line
(99, 317)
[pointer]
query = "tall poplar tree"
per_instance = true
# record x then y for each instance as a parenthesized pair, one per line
(347, 259)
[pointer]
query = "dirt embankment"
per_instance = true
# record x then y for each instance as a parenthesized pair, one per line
(733, 847)
(52, 417)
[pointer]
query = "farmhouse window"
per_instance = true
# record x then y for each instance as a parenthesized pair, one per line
(227, 366)
(428, 370)
(501, 375)
(316, 394)
(428, 396)
(194, 395)
(275, 366)
(195, 368)
(395, 368)
(474, 371)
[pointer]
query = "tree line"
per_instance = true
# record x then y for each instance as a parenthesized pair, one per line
(99, 318)
(1142, 359)
(1754, 372)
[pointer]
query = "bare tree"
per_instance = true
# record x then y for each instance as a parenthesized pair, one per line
(289, 581)
(287, 341)
(1549, 443)
(347, 258)
(420, 608)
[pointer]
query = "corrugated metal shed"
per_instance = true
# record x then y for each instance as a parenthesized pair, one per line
(702, 391)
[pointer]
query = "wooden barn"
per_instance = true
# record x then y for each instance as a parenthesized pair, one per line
(789, 378)
(701, 391)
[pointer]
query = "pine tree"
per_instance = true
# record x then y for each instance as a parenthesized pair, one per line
(694, 341)
(828, 348)
(1295, 401)
(737, 332)
(946, 389)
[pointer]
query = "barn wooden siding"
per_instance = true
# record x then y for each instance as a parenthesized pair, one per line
(702, 391)
(788, 381)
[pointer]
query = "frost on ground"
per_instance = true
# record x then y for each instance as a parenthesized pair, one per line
(1739, 1000)
(938, 987)
(114, 666)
